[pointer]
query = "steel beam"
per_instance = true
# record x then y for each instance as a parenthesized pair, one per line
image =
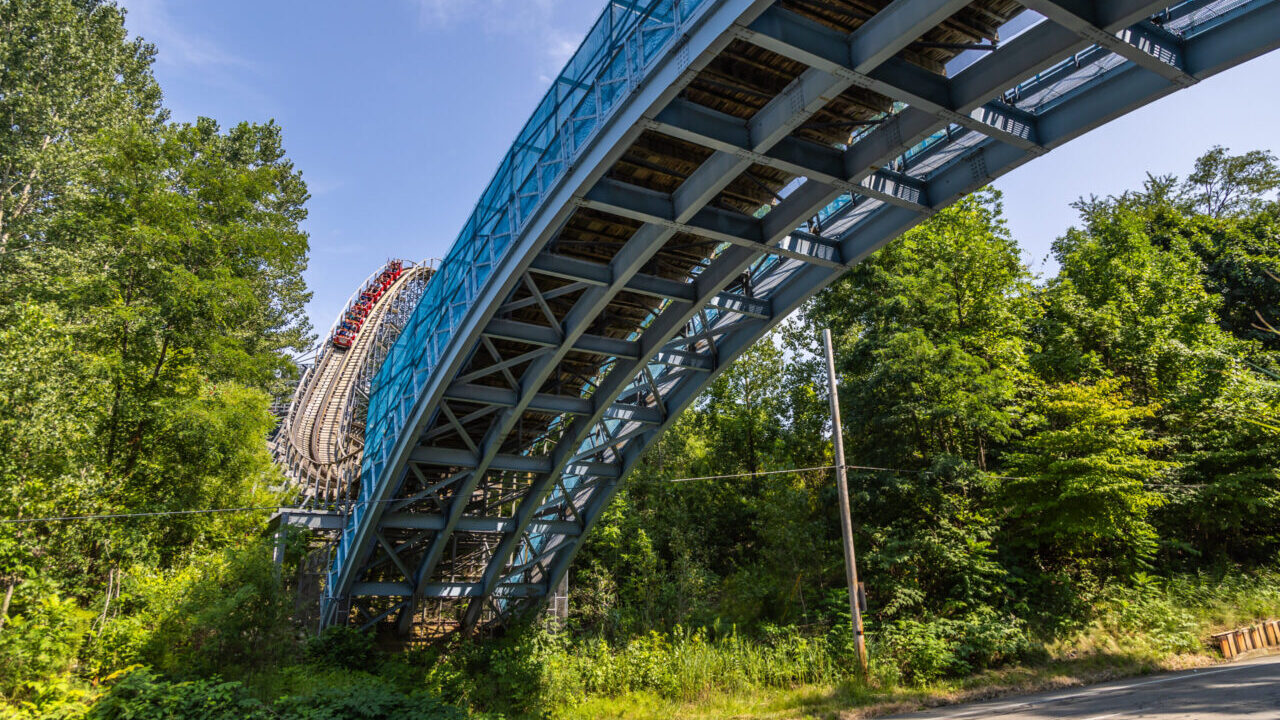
(657, 209)
(424, 521)
(821, 47)
(975, 169)
(551, 337)
(600, 453)
(439, 590)
(1144, 46)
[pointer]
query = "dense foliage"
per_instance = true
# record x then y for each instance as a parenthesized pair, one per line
(1035, 459)
(1022, 446)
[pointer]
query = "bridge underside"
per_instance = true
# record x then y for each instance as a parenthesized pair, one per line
(774, 146)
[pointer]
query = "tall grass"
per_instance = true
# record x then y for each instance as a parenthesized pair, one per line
(1142, 625)
(688, 664)
(1155, 618)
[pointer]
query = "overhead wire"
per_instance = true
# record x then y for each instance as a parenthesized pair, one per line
(729, 476)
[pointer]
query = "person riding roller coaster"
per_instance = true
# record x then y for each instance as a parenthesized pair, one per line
(343, 338)
(354, 318)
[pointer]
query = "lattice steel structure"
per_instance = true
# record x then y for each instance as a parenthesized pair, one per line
(699, 169)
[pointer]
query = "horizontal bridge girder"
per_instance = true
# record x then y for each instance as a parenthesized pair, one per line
(444, 590)
(308, 519)
(817, 45)
(457, 457)
(544, 402)
(651, 206)
(723, 132)
(552, 337)
(570, 268)
(1145, 47)
(685, 359)
(742, 305)
(420, 521)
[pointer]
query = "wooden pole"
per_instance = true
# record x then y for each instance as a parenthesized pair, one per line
(846, 522)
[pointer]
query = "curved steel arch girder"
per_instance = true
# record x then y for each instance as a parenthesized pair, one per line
(655, 374)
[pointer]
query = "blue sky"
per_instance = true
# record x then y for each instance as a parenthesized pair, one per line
(398, 111)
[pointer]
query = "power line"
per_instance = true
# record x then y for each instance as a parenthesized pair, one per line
(116, 516)
(863, 468)
(254, 508)
(748, 474)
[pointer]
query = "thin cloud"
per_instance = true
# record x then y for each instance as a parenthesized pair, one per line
(542, 19)
(151, 20)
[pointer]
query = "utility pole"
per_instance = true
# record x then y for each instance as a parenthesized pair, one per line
(846, 522)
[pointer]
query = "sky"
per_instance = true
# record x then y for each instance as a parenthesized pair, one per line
(398, 111)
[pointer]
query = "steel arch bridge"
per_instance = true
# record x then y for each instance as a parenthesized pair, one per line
(698, 170)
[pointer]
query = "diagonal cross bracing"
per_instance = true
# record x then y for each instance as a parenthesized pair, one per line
(884, 182)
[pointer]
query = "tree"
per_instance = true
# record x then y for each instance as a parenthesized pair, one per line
(1078, 500)
(933, 347)
(1226, 508)
(1130, 302)
(1223, 184)
(45, 463)
(933, 359)
(69, 71)
(179, 269)
(175, 268)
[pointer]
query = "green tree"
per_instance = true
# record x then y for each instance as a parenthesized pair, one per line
(933, 360)
(1078, 503)
(1130, 301)
(45, 463)
(933, 348)
(1222, 184)
(178, 276)
(67, 71)
(1228, 508)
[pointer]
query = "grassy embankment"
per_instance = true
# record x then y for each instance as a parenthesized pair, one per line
(1136, 631)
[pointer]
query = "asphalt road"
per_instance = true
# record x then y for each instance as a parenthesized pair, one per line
(1248, 689)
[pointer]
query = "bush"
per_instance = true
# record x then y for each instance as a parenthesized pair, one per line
(339, 646)
(142, 695)
(41, 639)
(926, 651)
(373, 701)
(920, 650)
(223, 613)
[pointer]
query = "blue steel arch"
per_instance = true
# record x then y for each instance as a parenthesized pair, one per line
(530, 378)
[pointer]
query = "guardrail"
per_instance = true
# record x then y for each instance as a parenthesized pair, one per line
(1265, 634)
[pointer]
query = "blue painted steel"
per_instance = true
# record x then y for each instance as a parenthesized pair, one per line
(1055, 84)
(620, 45)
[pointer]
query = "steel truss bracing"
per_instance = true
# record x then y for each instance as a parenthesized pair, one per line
(698, 171)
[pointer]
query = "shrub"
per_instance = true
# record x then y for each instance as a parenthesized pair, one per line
(223, 613)
(920, 650)
(41, 639)
(926, 651)
(373, 701)
(142, 695)
(339, 646)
